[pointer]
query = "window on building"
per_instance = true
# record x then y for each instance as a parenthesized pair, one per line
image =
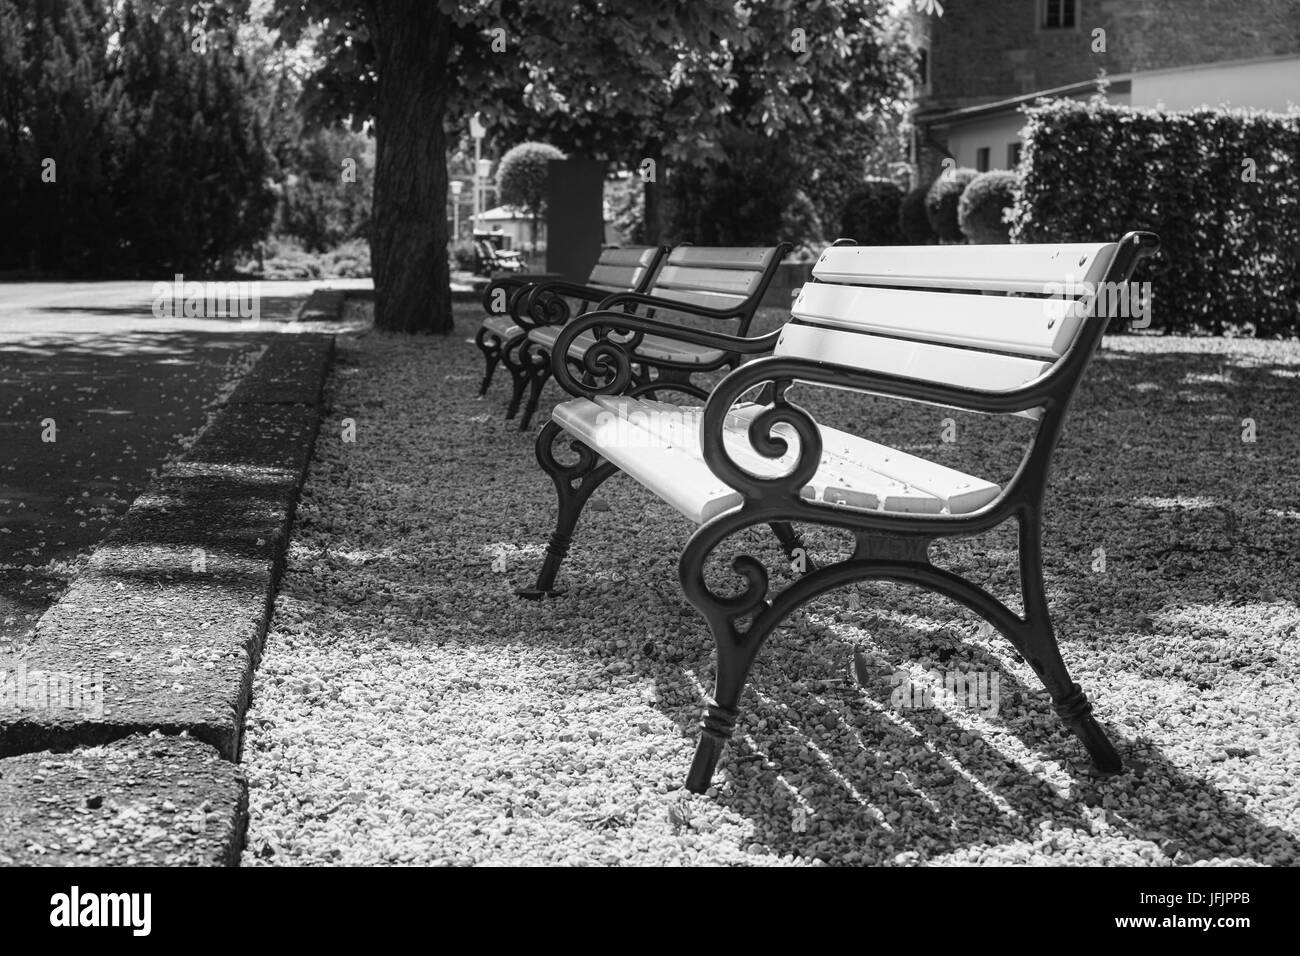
(982, 159)
(1058, 14)
(1013, 155)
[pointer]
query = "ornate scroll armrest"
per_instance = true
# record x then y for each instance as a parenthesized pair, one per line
(545, 302)
(609, 360)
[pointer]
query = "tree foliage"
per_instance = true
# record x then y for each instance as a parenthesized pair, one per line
(691, 84)
(127, 144)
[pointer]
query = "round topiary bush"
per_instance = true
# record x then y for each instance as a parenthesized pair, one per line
(521, 179)
(983, 205)
(870, 214)
(912, 221)
(942, 199)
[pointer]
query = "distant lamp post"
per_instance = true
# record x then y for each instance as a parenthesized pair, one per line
(456, 187)
(482, 170)
(478, 131)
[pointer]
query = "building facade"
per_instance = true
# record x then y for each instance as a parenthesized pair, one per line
(982, 61)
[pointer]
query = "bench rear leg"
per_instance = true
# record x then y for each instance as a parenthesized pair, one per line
(792, 544)
(1039, 647)
(537, 364)
(512, 359)
(573, 486)
(490, 346)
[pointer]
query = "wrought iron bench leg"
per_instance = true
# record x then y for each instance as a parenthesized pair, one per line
(876, 556)
(792, 544)
(491, 356)
(537, 362)
(1038, 646)
(512, 360)
(573, 486)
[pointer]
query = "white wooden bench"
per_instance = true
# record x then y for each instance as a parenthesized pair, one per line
(721, 284)
(905, 322)
(515, 303)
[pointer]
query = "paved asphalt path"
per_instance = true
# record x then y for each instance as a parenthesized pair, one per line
(124, 391)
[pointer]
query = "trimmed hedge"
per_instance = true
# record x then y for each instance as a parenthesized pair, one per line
(981, 212)
(1230, 246)
(941, 202)
(871, 214)
(912, 220)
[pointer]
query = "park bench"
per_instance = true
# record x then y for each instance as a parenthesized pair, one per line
(489, 260)
(722, 284)
(903, 322)
(516, 303)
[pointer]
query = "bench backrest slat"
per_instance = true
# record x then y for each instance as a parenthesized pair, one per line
(737, 282)
(726, 279)
(717, 278)
(891, 309)
(620, 277)
(628, 255)
(1024, 326)
(996, 268)
(710, 300)
(622, 269)
(923, 360)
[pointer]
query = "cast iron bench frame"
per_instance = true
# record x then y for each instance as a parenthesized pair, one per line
(889, 546)
(534, 300)
(651, 374)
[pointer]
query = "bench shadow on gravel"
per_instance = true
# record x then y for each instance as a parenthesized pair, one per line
(1177, 417)
(1002, 800)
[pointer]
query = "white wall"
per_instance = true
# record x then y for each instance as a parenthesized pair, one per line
(995, 132)
(1271, 85)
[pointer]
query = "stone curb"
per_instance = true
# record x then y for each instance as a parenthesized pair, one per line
(141, 801)
(140, 675)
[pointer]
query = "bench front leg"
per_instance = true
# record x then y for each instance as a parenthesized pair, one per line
(1036, 642)
(573, 487)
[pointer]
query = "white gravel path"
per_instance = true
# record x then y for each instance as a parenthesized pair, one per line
(408, 709)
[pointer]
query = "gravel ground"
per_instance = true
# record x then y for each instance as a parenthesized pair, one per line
(408, 709)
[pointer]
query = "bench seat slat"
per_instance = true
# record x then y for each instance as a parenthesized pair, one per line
(1009, 268)
(503, 327)
(855, 473)
(694, 490)
(652, 347)
(1025, 326)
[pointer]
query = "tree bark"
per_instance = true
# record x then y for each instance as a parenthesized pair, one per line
(408, 240)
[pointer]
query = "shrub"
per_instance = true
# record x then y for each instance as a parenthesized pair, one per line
(521, 179)
(318, 204)
(741, 200)
(801, 227)
(982, 210)
(1220, 187)
(463, 255)
(942, 199)
(871, 214)
(912, 220)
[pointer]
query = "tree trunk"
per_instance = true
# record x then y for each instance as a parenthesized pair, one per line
(408, 239)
